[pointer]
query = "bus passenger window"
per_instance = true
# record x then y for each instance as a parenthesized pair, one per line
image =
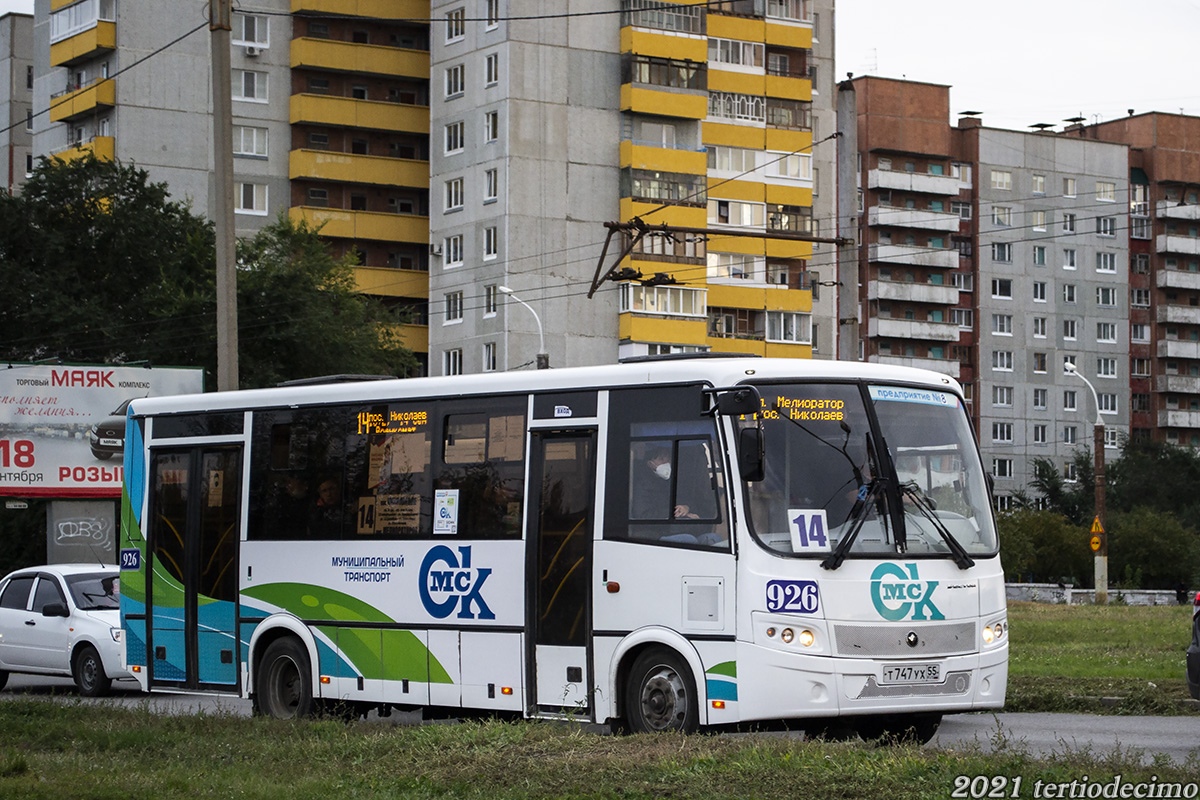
(483, 460)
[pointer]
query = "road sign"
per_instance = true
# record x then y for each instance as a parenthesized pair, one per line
(1095, 544)
(1097, 527)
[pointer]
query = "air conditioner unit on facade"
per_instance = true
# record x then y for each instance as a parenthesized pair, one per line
(435, 249)
(253, 51)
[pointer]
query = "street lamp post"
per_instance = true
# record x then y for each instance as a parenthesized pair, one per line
(1098, 446)
(543, 358)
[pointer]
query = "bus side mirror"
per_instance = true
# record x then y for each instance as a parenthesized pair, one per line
(751, 454)
(739, 402)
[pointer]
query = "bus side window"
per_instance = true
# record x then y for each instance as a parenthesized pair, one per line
(483, 459)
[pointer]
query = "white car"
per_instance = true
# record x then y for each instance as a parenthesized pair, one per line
(63, 619)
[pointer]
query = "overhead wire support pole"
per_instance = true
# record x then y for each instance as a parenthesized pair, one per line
(220, 26)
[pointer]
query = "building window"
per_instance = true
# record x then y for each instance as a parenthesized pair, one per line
(1070, 473)
(963, 281)
(1039, 434)
(1039, 291)
(1039, 362)
(735, 266)
(1068, 187)
(1002, 432)
(251, 199)
(1039, 255)
(456, 29)
(249, 85)
(452, 362)
(1139, 298)
(1070, 329)
(1106, 191)
(1068, 223)
(1106, 262)
(489, 356)
(455, 81)
(1106, 226)
(1039, 399)
(1002, 252)
(318, 198)
(1002, 216)
(249, 141)
(963, 210)
(1002, 324)
(491, 70)
(1070, 434)
(491, 185)
(1139, 333)
(963, 317)
(1069, 258)
(1002, 361)
(1070, 400)
(493, 20)
(454, 194)
(1002, 468)
(1068, 293)
(1037, 220)
(1039, 327)
(491, 126)
(1001, 179)
(250, 30)
(452, 248)
(730, 105)
(745, 54)
(1002, 396)
(1141, 263)
(491, 299)
(1106, 367)
(455, 134)
(454, 307)
(1140, 367)
(491, 244)
(1039, 184)
(786, 326)
(1106, 296)
(1002, 288)
(1108, 402)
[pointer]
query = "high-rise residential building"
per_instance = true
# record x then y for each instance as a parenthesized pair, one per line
(1164, 283)
(997, 257)
(469, 153)
(16, 95)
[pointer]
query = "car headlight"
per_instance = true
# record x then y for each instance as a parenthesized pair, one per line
(118, 634)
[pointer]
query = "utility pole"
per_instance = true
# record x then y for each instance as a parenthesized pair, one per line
(219, 24)
(847, 211)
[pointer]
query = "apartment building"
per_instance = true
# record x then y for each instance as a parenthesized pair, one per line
(468, 153)
(997, 257)
(16, 95)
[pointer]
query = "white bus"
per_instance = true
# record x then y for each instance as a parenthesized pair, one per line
(666, 544)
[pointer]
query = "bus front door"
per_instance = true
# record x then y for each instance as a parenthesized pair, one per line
(191, 584)
(562, 512)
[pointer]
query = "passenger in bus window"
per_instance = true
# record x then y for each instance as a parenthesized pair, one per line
(650, 483)
(326, 521)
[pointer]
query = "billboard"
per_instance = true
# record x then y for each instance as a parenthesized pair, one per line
(62, 428)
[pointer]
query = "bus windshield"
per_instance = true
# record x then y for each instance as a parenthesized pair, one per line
(842, 481)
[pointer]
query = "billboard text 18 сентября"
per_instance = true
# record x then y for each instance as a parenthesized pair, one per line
(61, 427)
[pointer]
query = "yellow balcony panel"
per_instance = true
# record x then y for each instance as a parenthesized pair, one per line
(338, 223)
(346, 112)
(55, 5)
(720, 80)
(787, 34)
(101, 38)
(366, 58)
(746, 245)
(785, 141)
(736, 190)
(414, 337)
(789, 88)
(650, 43)
(788, 195)
(663, 159)
(383, 282)
(787, 350)
(102, 147)
(742, 28)
(70, 105)
(644, 100)
(352, 168)
(788, 248)
(651, 328)
(771, 298)
(683, 216)
(747, 136)
(373, 9)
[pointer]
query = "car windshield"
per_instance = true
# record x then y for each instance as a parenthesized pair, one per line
(97, 591)
(834, 486)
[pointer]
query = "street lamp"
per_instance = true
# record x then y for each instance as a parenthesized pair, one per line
(543, 358)
(1098, 524)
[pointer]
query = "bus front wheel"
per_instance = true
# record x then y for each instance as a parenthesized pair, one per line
(282, 684)
(660, 694)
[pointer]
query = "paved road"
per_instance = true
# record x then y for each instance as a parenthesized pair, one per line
(1045, 735)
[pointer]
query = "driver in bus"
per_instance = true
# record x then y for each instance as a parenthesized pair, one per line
(651, 483)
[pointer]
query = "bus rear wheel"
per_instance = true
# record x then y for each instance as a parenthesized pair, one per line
(660, 694)
(282, 685)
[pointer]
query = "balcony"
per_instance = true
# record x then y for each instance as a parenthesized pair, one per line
(1173, 348)
(942, 365)
(1170, 209)
(645, 99)
(1180, 315)
(1179, 384)
(912, 292)
(1177, 279)
(102, 147)
(414, 337)
(913, 182)
(101, 38)
(912, 256)
(1185, 245)
(341, 223)
(327, 54)
(913, 329)
(346, 112)
(641, 155)
(324, 165)
(1178, 419)
(913, 218)
(371, 9)
(384, 282)
(71, 104)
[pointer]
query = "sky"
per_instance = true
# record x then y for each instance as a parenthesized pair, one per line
(1023, 62)
(1020, 62)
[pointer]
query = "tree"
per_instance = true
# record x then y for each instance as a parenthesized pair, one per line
(1150, 549)
(1043, 546)
(1156, 475)
(1072, 499)
(102, 266)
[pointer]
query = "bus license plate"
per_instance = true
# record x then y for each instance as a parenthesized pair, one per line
(912, 673)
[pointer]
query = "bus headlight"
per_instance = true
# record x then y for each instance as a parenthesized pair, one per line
(806, 638)
(787, 635)
(994, 632)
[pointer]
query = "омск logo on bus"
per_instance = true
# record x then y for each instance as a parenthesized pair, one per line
(901, 595)
(457, 585)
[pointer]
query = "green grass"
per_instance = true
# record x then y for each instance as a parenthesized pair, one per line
(52, 749)
(1062, 658)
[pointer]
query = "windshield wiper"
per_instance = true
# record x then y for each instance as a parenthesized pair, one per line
(925, 506)
(866, 497)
